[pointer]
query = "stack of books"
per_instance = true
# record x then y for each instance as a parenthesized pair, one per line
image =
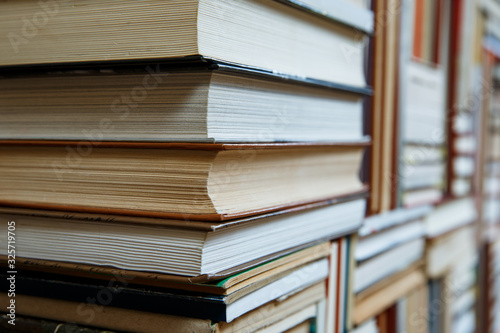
(490, 181)
(464, 157)
(491, 171)
(491, 286)
(423, 104)
(423, 139)
(250, 166)
(389, 256)
(463, 282)
(188, 166)
(420, 236)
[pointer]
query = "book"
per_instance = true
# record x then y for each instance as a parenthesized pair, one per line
(384, 55)
(489, 175)
(304, 327)
(462, 281)
(446, 250)
(436, 319)
(169, 301)
(177, 104)
(414, 178)
(370, 326)
(423, 135)
(332, 283)
(463, 147)
(412, 311)
(430, 30)
(425, 114)
(461, 187)
(491, 285)
(378, 243)
(397, 259)
(450, 215)
(299, 322)
(156, 245)
(465, 78)
(390, 245)
(354, 13)
(342, 285)
(247, 33)
(423, 83)
(466, 323)
(423, 196)
(224, 283)
(27, 324)
(338, 286)
(380, 222)
(374, 302)
(386, 320)
(457, 286)
(179, 181)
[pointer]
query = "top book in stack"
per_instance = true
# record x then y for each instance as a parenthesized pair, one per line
(268, 35)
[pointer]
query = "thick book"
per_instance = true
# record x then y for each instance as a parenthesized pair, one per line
(375, 300)
(378, 223)
(304, 327)
(425, 110)
(424, 176)
(451, 215)
(423, 84)
(445, 251)
(224, 308)
(27, 324)
(262, 34)
(181, 181)
(224, 283)
(388, 263)
(176, 104)
(369, 326)
(338, 286)
(178, 247)
(375, 244)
